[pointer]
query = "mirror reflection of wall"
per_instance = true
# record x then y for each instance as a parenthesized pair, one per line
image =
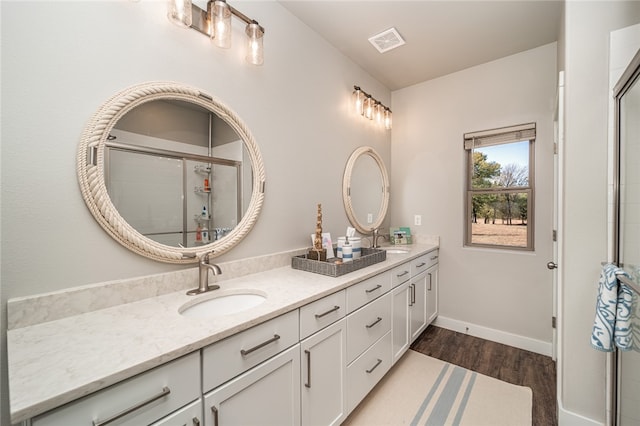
(367, 189)
(174, 171)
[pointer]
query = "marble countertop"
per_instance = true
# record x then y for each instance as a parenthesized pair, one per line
(56, 362)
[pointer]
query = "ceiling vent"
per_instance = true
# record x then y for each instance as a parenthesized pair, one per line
(387, 40)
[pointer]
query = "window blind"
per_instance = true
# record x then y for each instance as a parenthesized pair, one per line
(499, 136)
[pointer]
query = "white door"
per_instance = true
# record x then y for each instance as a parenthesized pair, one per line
(556, 262)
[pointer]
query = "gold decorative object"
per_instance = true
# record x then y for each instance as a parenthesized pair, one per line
(317, 252)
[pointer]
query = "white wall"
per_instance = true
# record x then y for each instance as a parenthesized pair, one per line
(504, 294)
(586, 58)
(61, 60)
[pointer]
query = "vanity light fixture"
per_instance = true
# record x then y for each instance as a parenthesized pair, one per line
(215, 23)
(369, 107)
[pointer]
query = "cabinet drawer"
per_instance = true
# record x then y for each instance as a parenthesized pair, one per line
(367, 325)
(180, 378)
(400, 274)
(317, 315)
(366, 371)
(424, 262)
(362, 293)
(229, 357)
(266, 395)
(191, 415)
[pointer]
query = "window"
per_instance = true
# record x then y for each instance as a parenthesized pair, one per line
(500, 195)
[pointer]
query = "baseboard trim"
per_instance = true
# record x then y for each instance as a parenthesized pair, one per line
(568, 418)
(521, 342)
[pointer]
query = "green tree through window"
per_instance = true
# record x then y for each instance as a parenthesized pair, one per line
(500, 188)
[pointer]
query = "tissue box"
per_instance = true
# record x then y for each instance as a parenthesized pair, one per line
(401, 235)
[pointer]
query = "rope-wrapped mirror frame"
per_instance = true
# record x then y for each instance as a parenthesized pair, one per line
(346, 190)
(90, 163)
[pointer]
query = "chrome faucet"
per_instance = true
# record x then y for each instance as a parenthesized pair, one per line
(203, 275)
(374, 237)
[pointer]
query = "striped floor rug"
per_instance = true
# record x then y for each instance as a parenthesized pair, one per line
(420, 390)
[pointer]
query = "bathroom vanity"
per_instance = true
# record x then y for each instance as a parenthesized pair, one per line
(308, 354)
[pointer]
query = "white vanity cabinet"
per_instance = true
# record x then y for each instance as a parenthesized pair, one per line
(253, 377)
(323, 351)
(415, 301)
(266, 395)
(432, 294)
(368, 346)
(191, 415)
(142, 399)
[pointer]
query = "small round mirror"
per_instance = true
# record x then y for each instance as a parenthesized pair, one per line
(365, 190)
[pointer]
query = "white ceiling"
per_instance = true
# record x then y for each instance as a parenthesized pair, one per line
(441, 36)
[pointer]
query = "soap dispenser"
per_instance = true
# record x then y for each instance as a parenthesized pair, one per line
(347, 251)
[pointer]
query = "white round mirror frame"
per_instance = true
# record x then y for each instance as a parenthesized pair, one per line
(346, 190)
(90, 169)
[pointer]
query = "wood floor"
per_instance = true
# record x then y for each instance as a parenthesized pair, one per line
(503, 362)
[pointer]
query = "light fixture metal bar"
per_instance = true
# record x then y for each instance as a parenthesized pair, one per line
(200, 19)
(369, 95)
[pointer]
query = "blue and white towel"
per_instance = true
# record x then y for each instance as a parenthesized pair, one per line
(612, 324)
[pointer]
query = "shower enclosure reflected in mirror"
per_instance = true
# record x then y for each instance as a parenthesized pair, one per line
(170, 172)
(175, 172)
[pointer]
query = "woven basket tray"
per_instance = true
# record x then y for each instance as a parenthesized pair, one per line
(369, 257)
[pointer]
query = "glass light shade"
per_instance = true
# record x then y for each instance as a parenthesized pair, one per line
(255, 48)
(221, 24)
(368, 108)
(179, 12)
(379, 111)
(387, 119)
(358, 100)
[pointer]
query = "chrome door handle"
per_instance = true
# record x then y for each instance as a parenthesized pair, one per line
(552, 265)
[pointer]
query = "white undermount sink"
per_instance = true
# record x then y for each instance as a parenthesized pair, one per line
(224, 304)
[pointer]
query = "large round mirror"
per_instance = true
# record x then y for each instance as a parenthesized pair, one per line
(170, 172)
(365, 190)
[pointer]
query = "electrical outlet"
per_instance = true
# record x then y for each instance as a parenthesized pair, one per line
(370, 218)
(417, 220)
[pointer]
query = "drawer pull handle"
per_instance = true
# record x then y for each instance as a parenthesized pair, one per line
(308, 384)
(434, 257)
(214, 410)
(420, 265)
(196, 422)
(402, 274)
(255, 348)
(335, 308)
(374, 367)
(374, 323)
(165, 391)
(374, 289)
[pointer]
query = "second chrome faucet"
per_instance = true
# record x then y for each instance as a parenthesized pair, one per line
(203, 275)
